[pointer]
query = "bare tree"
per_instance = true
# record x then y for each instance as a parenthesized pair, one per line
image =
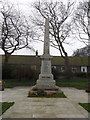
(60, 24)
(85, 51)
(15, 31)
(82, 21)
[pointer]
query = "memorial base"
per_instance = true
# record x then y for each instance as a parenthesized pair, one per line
(46, 85)
(46, 82)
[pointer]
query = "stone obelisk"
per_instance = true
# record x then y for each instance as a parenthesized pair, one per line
(45, 80)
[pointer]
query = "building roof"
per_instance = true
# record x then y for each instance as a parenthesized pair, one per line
(56, 60)
(73, 60)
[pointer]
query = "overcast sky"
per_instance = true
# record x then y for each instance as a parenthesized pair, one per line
(23, 5)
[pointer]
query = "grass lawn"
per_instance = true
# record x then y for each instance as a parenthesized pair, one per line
(86, 106)
(57, 95)
(79, 83)
(13, 83)
(5, 106)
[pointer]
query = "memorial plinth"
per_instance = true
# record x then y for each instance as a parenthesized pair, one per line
(46, 80)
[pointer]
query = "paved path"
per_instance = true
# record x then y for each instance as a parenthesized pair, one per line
(25, 107)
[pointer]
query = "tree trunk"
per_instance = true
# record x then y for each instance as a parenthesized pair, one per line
(68, 71)
(67, 68)
(7, 55)
(5, 68)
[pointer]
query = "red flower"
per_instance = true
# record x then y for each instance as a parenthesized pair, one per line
(42, 91)
(30, 93)
(34, 93)
(50, 93)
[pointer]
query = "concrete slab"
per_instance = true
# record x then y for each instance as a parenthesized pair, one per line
(25, 107)
(76, 95)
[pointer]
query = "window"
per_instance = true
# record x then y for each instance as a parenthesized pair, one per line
(62, 69)
(54, 67)
(84, 69)
(74, 69)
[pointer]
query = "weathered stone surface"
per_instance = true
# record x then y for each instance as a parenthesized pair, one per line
(45, 80)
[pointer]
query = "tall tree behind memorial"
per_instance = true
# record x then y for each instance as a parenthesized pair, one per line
(82, 21)
(60, 24)
(15, 31)
(85, 51)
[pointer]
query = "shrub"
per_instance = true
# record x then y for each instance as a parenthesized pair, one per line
(81, 75)
(55, 73)
(6, 71)
(24, 73)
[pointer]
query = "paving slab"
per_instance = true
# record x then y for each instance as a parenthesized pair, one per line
(76, 95)
(25, 107)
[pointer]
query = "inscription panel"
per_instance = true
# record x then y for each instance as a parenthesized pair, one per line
(46, 67)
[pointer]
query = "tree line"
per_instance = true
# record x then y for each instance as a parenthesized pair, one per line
(18, 31)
